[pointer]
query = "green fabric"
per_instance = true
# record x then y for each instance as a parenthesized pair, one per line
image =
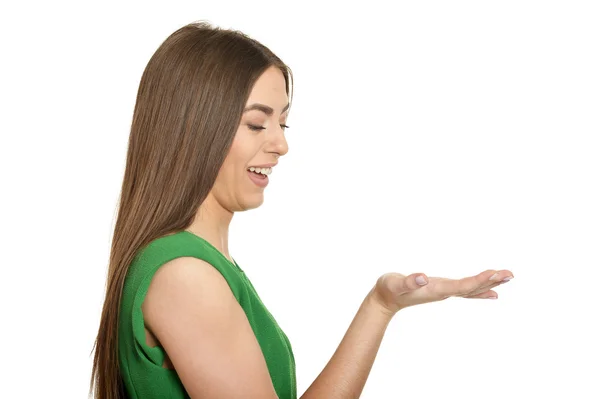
(141, 365)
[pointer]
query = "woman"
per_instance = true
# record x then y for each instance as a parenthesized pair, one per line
(181, 318)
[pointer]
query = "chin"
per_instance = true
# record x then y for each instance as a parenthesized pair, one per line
(253, 202)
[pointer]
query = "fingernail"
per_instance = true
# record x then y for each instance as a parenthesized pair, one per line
(494, 276)
(506, 279)
(492, 297)
(421, 280)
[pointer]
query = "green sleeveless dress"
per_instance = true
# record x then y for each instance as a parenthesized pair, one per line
(141, 366)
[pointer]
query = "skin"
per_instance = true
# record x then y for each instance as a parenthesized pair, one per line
(191, 312)
(233, 191)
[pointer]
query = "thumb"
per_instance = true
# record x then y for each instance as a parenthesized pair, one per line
(401, 285)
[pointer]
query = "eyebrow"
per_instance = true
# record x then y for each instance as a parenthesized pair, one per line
(264, 108)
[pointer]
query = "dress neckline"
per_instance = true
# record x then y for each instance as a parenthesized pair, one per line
(234, 263)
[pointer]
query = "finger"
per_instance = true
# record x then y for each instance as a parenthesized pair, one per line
(489, 294)
(463, 286)
(485, 288)
(501, 276)
(409, 283)
(469, 285)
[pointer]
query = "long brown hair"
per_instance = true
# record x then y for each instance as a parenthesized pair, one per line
(188, 108)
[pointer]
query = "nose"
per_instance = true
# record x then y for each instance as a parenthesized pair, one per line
(277, 142)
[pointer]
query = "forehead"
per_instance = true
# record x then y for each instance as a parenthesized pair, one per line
(269, 89)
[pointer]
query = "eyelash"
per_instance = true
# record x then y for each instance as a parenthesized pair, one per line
(254, 127)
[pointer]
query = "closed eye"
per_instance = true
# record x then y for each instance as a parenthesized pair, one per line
(256, 128)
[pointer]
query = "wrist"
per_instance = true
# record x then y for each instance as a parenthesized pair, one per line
(376, 302)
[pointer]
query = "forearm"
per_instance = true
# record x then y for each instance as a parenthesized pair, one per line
(345, 375)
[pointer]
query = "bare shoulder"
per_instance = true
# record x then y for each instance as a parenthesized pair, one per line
(186, 270)
(185, 279)
(192, 312)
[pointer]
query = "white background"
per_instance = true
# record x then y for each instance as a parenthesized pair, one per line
(443, 137)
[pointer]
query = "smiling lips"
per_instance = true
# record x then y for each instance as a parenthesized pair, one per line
(264, 171)
(267, 165)
(258, 178)
(259, 174)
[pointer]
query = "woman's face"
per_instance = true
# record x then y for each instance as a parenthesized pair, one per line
(259, 141)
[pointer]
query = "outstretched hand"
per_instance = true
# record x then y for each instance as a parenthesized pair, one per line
(395, 291)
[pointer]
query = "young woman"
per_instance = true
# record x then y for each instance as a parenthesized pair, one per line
(180, 317)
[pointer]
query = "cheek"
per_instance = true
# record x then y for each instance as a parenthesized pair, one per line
(232, 172)
(240, 154)
(233, 175)
(229, 175)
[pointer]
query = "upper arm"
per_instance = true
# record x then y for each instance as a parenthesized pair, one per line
(191, 310)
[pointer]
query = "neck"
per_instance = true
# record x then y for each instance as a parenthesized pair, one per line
(212, 223)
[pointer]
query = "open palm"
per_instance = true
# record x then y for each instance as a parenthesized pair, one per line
(396, 291)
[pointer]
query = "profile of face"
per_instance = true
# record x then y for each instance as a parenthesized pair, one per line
(259, 141)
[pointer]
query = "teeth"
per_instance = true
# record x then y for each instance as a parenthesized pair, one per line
(264, 171)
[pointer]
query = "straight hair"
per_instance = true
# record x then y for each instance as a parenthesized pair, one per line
(188, 108)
